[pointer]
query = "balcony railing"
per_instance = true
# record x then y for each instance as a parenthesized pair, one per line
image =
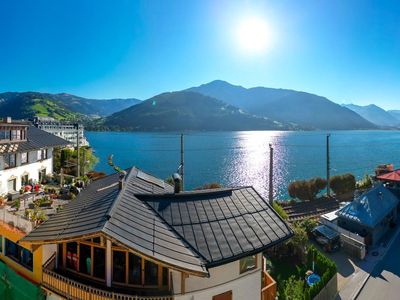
(72, 289)
(268, 290)
(15, 220)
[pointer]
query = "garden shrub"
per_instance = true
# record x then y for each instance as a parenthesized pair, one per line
(342, 184)
(306, 189)
(278, 208)
(364, 183)
(293, 289)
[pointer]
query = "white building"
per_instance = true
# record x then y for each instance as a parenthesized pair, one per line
(26, 155)
(66, 130)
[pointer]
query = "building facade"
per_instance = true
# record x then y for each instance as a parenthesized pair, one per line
(26, 155)
(66, 130)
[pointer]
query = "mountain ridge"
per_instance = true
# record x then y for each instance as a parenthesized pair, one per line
(375, 114)
(305, 109)
(185, 110)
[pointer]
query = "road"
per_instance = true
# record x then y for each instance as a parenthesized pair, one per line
(384, 282)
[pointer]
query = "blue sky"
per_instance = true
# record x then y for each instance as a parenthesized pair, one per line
(348, 51)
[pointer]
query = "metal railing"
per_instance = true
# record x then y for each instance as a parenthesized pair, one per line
(72, 289)
(268, 289)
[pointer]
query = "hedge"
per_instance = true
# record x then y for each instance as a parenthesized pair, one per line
(324, 267)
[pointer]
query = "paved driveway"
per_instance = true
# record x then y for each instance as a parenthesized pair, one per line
(384, 283)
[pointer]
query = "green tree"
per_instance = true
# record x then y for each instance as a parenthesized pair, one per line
(343, 184)
(299, 241)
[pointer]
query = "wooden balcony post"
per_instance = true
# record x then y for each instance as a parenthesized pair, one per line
(108, 263)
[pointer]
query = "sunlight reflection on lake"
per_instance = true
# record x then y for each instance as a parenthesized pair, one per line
(242, 158)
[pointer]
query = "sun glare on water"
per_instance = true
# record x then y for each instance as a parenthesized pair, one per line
(253, 35)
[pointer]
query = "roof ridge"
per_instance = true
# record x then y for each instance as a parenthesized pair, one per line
(117, 199)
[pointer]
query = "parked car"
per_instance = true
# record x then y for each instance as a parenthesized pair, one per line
(327, 238)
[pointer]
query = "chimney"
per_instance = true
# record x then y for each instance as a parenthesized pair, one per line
(121, 181)
(177, 183)
(7, 120)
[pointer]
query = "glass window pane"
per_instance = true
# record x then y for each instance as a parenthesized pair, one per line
(12, 249)
(99, 263)
(135, 269)
(119, 265)
(150, 273)
(72, 256)
(60, 255)
(248, 263)
(26, 258)
(165, 275)
(85, 261)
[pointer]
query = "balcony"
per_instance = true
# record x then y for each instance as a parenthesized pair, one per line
(72, 289)
(268, 289)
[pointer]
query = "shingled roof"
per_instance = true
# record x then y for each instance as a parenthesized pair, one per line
(36, 139)
(190, 230)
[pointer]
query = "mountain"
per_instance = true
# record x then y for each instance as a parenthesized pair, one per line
(395, 113)
(59, 106)
(287, 106)
(374, 114)
(186, 110)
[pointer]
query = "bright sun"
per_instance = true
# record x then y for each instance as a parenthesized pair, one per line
(253, 35)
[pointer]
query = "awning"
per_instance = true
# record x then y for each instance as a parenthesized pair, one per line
(392, 176)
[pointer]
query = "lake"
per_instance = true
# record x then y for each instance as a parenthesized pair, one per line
(242, 158)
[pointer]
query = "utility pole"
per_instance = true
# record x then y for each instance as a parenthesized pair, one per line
(182, 163)
(328, 166)
(84, 161)
(271, 174)
(78, 167)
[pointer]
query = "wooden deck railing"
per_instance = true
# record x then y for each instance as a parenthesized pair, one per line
(72, 289)
(268, 291)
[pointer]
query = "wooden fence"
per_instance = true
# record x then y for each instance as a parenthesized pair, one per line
(268, 291)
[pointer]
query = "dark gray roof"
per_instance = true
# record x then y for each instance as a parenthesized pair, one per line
(222, 225)
(36, 139)
(190, 230)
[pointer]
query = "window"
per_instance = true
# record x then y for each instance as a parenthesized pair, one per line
(24, 179)
(72, 256)
(11, 185)
(60, 253)
(42, 154)
(99, 262)
(119, 265)
(24, 157)
(135, 269)
(4, 134)
(42, 175)
(16, 135)
(85, 259)
(150, 273)
(248, 263)
(9, 160)
(19, 254)
(165, 275)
